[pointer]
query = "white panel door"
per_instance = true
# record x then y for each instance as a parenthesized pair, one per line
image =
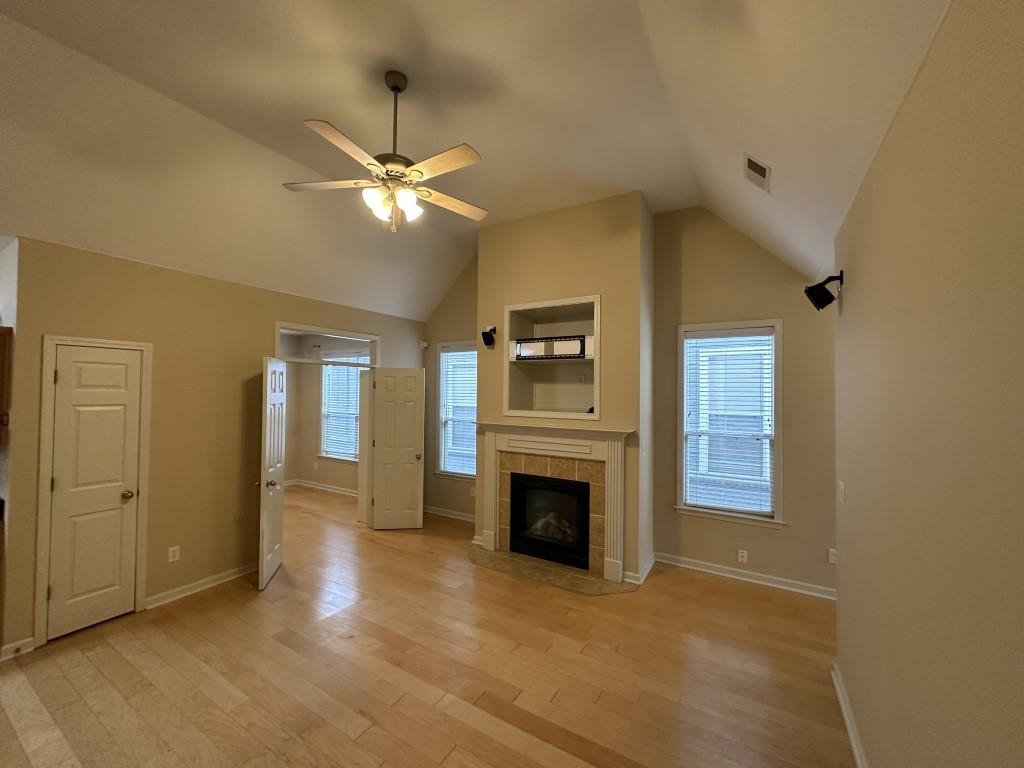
(272, 470)
(397, 449)
(94, 499)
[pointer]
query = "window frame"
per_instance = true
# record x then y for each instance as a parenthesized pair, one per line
(442, 348)
(324, 366)
(723, 328)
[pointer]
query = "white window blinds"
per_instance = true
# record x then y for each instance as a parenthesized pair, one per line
(457, 410)
(728, 419)
(340, 408)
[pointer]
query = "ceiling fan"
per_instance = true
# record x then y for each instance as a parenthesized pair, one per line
(393, 193)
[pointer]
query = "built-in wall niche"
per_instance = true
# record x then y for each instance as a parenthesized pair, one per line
(552, 362)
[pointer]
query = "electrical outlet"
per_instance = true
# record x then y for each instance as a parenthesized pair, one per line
(173, 554)
(316, 465)
(833, 555)
(472, 491)
(840, 492)
(741, 555)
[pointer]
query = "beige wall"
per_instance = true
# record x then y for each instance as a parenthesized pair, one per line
(929, 371)
(209, 337)
(454, 319)
(705, 271)
(596, 248)
(580, 251)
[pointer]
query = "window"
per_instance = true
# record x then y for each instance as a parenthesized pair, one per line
(457, 409)
(339, 398)
(728, 428)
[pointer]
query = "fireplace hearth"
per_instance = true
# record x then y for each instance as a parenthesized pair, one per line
(550, 519)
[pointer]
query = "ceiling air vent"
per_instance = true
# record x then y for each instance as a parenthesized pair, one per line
(758, 173)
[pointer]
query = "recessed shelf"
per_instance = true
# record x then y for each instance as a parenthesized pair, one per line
(551, 370)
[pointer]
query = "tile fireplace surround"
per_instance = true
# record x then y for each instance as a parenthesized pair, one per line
(592, 456)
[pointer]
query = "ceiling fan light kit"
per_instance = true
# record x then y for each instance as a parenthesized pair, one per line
(393, 193)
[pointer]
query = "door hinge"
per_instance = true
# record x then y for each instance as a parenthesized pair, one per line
(373, 443)
(54, 375)
(375, 385)
(49, 591)
(53, 484)
(373, 501)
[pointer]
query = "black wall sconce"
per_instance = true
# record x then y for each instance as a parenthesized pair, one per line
(487, 334)
(819, 295)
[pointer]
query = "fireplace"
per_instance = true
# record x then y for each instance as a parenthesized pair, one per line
(550, 518)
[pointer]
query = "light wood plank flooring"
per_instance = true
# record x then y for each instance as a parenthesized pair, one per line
(391, 649)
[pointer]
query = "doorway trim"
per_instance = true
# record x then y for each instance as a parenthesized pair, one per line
(46, 426)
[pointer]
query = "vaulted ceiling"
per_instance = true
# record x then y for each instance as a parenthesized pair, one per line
(566, 100)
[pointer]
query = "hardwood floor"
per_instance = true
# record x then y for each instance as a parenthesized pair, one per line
(391, 648)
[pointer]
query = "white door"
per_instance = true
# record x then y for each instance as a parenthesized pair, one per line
(95, 488)
(397, 449)
(272, 469)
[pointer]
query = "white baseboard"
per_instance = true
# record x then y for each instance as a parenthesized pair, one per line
(478, 541)
(321, 486)
(765, 579)
(17, 648)
(851, 725)
(468, 517)
(198, 586)
(641, 577)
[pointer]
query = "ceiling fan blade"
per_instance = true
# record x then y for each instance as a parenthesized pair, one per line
(342, 142)
(460, 207)
(316, 186)
(444, 162)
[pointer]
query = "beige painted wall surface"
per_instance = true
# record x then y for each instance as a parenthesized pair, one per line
(304, 459)
(589, 249)
(705, 271)
(454, 319)
(209, 338)
(929, 372)
(596, 248)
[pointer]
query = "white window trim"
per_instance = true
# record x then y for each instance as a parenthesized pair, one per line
(450, 346)
(776, 518)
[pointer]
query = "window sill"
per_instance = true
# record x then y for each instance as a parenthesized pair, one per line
(455, 476)
(338, 459)
(732, 517)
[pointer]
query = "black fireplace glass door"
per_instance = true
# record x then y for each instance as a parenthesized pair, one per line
(550, 518)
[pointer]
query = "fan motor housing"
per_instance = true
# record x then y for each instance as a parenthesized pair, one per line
(393, 164)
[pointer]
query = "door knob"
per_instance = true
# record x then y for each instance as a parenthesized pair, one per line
(127, 495)
(419, 456)
(271, 483)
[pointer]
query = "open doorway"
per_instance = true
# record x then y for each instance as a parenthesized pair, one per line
(322, 410)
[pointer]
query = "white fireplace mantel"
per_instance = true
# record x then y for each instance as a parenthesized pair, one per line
(603, 445)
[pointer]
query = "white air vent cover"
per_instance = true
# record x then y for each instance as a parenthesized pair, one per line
(758, 173)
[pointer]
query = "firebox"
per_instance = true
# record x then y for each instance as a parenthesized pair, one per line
(550, 518)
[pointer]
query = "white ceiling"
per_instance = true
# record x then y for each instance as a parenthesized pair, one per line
(566, 100)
